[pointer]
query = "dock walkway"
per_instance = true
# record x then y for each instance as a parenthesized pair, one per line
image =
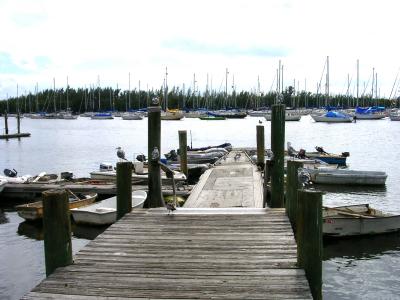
(221, 245)
(233, 182)
(234, 253)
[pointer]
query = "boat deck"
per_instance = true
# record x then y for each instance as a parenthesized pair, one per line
(233, 182)
(236, 253)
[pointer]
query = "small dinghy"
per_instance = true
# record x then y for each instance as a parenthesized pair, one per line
(346, 177)
(357, 220)
(34, 211)
(105, 212)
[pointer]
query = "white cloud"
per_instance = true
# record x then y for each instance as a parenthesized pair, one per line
(87, 39)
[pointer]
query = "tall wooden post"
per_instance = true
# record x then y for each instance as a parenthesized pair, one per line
(309, 239)
(57, 230)
(155, 198)
(124, 188)
(260, 146)
(19, 122)
(6, 122)
(277, 147)
(292, 185)
(183, 151)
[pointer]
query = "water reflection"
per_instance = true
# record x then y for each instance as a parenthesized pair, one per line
(34, 230)
(365, 247)
(87, 232)
(3, 217)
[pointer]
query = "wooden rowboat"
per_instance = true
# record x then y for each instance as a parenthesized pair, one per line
(34, 211)
(357, 220)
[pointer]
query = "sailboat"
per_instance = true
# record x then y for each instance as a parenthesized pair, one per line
(170, 114)
(129, 115)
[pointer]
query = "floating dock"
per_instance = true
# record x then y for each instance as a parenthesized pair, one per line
(14, 136)
(233, 182)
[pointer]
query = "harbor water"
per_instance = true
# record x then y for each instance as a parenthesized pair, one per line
(367, 268)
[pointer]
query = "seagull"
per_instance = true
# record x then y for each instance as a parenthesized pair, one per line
(120, 153)
(303, 177)
(259, 121)
(170, 207)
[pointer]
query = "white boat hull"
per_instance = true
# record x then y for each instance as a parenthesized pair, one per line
(288, 117)
(352, 224)
(394, 117)
(323, 118)
(369, 116)
(347, 177)
(105, 212)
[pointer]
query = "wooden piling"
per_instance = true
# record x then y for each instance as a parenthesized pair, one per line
(124, 188)
(155, 198)
(18, 123)
(57, 230)
(267, 178)
(277, 147)
(292, 185)
(183, 151)
(260, 146)
(6, 122)
(309, 238)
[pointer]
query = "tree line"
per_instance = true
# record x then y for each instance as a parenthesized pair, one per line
(110, 99)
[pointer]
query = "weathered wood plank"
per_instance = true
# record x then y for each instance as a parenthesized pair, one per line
(151, 256)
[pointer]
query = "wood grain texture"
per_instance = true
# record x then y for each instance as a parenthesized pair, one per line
(153, 255)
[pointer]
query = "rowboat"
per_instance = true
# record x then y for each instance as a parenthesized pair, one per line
(34, 211)
(104, 212)
(171, 115)
(356, 220)
(346, 177)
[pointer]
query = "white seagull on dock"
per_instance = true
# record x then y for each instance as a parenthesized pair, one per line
(120, 153)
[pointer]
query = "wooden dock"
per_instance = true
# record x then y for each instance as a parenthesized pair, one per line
(233, 182)
(234, 253)
(14, 136)
(221, 245)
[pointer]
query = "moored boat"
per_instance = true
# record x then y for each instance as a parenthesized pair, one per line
(102, 116)
(332, 117)
(288, 117)
(104, 212)
(346, 177)
(34, 211)
(370, 113)
(171, 115)
(357, 220)
(320, 154)
(132, 116)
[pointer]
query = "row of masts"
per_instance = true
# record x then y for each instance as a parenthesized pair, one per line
(89, 97)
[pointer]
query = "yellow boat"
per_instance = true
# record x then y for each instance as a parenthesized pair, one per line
(34, 211)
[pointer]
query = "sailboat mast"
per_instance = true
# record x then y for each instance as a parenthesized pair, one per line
(37, 100)
(67, 94)
(226, 87)
(129, 91)
(54, 93)
(139, 96)
(17, 100)
(98, 81)
(166, 89)
(358, 79)
(372, 85)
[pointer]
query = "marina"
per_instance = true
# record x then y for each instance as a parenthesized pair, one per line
(384, 199)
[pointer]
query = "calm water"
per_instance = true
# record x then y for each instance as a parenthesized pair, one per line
(361, 268)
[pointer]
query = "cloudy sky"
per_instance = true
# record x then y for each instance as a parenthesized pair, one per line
(92, 40)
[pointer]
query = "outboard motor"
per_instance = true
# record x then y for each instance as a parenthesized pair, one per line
(320, 149)
(141, 157)
(345, 154)
(10, 173)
